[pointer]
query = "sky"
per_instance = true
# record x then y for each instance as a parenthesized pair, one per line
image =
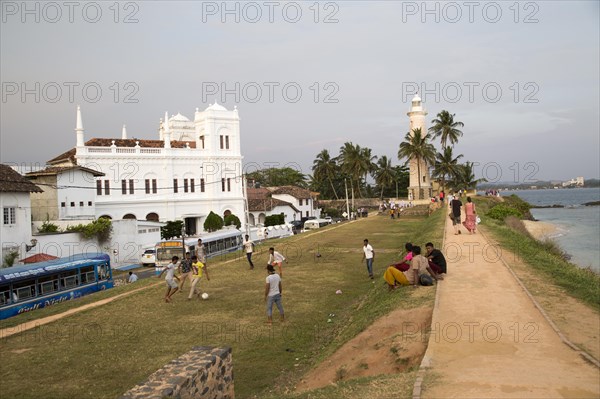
(305, 76)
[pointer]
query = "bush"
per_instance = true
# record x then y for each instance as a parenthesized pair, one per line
(517, 225)
(274, 220)
(333, 212)
(231, 220)
(502, 210)
(48, 227)
(522, 206)
(172, 229)
(213, 222)
(9, 258)
(99, 228)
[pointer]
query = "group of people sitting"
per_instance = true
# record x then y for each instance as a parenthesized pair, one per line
(416, 268)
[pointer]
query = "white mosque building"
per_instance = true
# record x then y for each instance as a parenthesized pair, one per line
(195, 167)
(416, 116)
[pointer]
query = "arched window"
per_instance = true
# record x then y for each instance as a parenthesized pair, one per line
(226, 213)
(152, 217)
(105, 217)
(129, 216)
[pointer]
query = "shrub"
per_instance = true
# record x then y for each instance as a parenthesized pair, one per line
(517, 224)
(274, 220)
(9, 258)
(333, 212)
(522, 206)
(99, 228)
(172, 229)
(213, 222)
(48, 227)
(502, 210)
(232, 220)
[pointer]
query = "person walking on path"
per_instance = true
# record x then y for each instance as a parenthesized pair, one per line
(185, 270)
(276, 259)
(369, 256)
(172, 286)
(455, 205)
(273, 293)
(197, 268)
(249, 248)
(470, 222)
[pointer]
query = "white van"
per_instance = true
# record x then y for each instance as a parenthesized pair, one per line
(312, 224)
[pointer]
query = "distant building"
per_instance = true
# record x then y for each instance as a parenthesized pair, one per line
(194, 168)
(15, 191)
(576, 182)
(69, 193)
(294, 202)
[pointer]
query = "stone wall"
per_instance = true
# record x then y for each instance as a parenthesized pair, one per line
(204, 372)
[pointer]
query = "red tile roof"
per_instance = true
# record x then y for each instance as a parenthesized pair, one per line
(294, 191)
(54, 170)
(38, 258)
(12, 182)
(267, 204)
(100, 142)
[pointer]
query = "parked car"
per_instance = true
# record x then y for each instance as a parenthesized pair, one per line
(148, 258)
(329, 219)
(297, 226)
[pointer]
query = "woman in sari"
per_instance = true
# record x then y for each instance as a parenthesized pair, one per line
(470, 222)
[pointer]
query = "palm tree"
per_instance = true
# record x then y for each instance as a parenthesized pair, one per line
(465, 178)
(352, 163)
(416, 146)
(324, 167)
(445, 127)
(446, 165)
(368, 165)
(385, 174)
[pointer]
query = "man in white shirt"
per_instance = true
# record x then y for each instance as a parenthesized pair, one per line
(172, 285)
(132, 278)
(369, 255)
(273, 294)
(276, 259)
(249, 248)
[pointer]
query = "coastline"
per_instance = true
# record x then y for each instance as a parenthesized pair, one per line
(539, 230)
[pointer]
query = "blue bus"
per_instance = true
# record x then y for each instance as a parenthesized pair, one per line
(29, 287)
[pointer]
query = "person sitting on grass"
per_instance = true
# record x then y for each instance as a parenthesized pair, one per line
(436, 258)
(419, 271)
(172, 286)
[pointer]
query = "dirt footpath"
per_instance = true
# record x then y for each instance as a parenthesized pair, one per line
(489, 341)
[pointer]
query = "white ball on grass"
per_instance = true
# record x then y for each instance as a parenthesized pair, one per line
(205, 296)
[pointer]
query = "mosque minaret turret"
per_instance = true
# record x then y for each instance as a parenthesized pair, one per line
(79, 129)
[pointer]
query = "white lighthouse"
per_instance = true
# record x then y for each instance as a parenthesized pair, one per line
(418, 174)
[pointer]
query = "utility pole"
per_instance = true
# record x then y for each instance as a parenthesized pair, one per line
(246, 206)
(347, 204)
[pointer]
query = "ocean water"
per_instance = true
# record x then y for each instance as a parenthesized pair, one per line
(578, 226)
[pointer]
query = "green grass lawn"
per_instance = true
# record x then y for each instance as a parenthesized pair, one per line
(102, 352)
